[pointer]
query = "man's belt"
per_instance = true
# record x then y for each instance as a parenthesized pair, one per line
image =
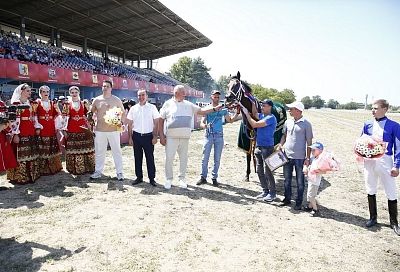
(143, 134)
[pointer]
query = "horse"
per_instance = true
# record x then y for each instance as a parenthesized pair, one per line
(240, 95)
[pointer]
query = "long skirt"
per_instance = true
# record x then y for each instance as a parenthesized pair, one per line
(7, 157)
(79, 153)
(27, 153)
(50, 155)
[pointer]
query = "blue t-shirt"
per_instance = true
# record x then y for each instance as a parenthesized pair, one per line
(215, 120)
(265, 135)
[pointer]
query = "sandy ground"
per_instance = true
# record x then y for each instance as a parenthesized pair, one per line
(65, 223)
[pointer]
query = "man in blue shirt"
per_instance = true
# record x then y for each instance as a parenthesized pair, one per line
(386, 168)
(266, 126)
(214, 136)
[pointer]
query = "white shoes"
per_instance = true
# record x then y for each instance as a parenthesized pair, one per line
(167, 184)
(95, 175)
(182, 184)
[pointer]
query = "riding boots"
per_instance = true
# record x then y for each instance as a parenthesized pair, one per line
(392, 205)
(372, 211)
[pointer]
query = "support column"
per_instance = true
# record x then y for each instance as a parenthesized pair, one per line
(22, 27)
(58, 39)
(138, 62)
(84, 47)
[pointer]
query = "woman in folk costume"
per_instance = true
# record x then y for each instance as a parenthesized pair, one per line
(24, 139)
(7, 157)
(49, 150)
(79, 144)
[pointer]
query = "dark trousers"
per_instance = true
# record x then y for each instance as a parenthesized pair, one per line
(265, 175)
(142, 142)
(297, 164)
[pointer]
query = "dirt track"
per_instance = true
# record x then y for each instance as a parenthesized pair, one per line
(72, 224)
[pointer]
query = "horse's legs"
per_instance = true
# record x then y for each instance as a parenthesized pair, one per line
(248, 161)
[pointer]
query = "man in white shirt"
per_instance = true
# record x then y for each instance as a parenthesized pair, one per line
(177, 114)
(142, 130)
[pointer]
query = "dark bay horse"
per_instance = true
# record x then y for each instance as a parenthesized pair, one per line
(240, 94)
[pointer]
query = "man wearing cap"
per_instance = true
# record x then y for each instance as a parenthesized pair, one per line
(386, 168)
(214, 136)
(266, 126)
(296, 139)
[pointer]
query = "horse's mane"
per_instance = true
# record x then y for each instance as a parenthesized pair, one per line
(247, 86)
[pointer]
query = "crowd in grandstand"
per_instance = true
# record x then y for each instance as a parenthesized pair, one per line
(32, 50)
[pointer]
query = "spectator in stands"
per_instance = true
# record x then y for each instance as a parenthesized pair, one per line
(214, 136)
(177, 115)
(106, 133)
(49, 150)
(143, 131)
(24, 132)
(79, 144)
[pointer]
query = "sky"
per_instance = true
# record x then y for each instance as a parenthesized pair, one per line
(338, 49)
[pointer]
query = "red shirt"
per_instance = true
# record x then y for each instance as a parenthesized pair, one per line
(46, 118)
(27, 124)
(77, 117)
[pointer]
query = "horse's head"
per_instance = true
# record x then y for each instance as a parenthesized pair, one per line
(233, 94)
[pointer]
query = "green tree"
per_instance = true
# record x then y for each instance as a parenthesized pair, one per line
(332, 104)
(307, 102)
(193, 72)
(286, 96)
(222, 84)
(317, 101)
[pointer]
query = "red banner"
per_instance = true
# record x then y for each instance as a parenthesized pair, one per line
(19, 70)
(51, 74)
(3, 65)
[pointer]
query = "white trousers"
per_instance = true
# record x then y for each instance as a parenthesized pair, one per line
(379, 169)
(100, 143)
(174, 145)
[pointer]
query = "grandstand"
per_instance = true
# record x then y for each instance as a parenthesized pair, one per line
(79, 42)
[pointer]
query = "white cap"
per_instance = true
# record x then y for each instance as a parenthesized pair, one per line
(296, 104)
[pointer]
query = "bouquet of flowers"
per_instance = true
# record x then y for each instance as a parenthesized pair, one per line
(324, 163)
(369, 147)
(113, 117)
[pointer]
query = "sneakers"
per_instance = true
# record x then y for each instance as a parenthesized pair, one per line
(120, 177)
(201, 181)
(182, 184)
(270, 197)
(167, 184)
(95, 175)
(307, 208)
(215, 182)
(262, 195)
(297, 207)
(315, 213)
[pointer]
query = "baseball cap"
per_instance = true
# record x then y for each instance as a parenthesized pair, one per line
(216, 92)
(318, 145)
(268, 102)
(296, 104)
(61, 97)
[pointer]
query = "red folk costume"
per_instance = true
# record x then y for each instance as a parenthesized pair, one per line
(26, 150)
(79, 146)
(49, 150)
(7, 157)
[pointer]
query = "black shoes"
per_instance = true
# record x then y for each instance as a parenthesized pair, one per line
(153, 183)
(201, 181)
(285, 202)
(137, 181)
(307, 208)
(371, 222)
(215, 182)
(297, 207)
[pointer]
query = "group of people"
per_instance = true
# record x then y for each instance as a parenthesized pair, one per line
(36, 149)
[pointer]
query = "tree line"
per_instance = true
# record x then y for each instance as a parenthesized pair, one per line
(195, 73)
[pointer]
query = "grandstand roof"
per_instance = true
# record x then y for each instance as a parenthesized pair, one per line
(138, 27)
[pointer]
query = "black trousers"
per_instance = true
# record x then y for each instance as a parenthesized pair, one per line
(142, 143)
